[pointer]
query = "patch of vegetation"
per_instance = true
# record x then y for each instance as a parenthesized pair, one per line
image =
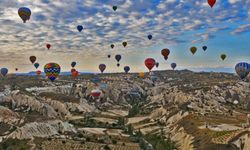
(159, 142)
(60, 97)
(14, 144)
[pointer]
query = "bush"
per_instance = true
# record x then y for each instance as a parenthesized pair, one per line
(114, 142)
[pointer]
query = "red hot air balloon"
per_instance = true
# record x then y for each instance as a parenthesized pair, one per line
(48, 46)
(96, 93)
(74, 74)
(211, 2)
(73, 70)
(150, 63)
(165, 52)
(38, 72)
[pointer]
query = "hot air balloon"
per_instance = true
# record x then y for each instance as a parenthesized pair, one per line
(165, 52)
(157, 65)
(114, 8)
(72, 70)
(109, 56)
(149, 63)
(73, 64)
(4, 71)
(52, 70)
(126, 69)
(204, 48)
(32, 59)
(242, 69)
(223, 56)
(16, 69)
(118, 58)
(150, 37)
(211, 2)
(102, 67)
(96, 93)
(24, 13)
(80, 28)
(38, 72)
(124, 44)
(173, 65)
(193, 50)
(36, 65)
(142, 74)
(48, 46)
(74, 74)
(112, 46)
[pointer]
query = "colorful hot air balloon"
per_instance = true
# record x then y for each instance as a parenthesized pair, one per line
(73, 64)
(173, 65)
(52, 70)
(126, 69)
(157, 65)
(165, 52)
(102, 67)
(242, 69)
(118, 58)
(38, 72)
(150, 37)
(223, 56)
(48, 46)
(149, 63)
(204, 48)
(114, 8)
(80, 28)
(36, 65)
(112, 46)
(4, 71)
(211, 2)
(142, 74)
(96, 93)
(193, 50)
(24, 13)
(74, 74)
(124, 44)
(32, 59)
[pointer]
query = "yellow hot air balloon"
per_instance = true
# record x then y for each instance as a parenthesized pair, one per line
(142, 74)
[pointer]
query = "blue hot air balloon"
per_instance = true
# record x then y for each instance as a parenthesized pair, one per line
(80, 28)
(24, 13)
(173, 65)
(36, 65)
(126, 69)
(150, 37)
(242, 69)
(4, 71)
(73, 64)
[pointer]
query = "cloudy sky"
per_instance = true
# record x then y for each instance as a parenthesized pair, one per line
(174, 24)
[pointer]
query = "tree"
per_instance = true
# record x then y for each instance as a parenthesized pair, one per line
(106, 147)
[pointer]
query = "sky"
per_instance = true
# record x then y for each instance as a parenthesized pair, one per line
(174, 24)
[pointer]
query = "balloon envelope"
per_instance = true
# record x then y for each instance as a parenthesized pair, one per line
(211, 2)
(102, 67)
(173, 65)
(24, 13)
(149, 63)
(165, 52)
(141, 74)
(32, 59)
(4, 71)
(38, 72)
(193, 50)
(150, 37)
(112, 46)
(223, 56)
(157, 65)
(74, 74)
(242, 69)
(48, 46)
(118, 57)
(73, 64)
(124, 44)
(36, 65)
(126, 69)
(52, 70)
(204, 48)
(80, 28)
(96, 93)
(114, 8)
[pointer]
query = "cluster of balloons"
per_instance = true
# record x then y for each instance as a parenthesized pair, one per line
(193, 50)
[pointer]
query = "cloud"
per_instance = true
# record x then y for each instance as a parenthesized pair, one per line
(242, 29)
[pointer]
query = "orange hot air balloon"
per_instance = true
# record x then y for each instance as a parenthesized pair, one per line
(165, 52)
(211, 2)
(38, 72)
(149, 63)
(142, 74)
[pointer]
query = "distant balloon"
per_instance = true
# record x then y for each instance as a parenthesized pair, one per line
(109, 56)
(102, 67)
(223, 56)
(112, 46)
(204, 48)
(16, 69)
(150, 37)
(149, 63)
(4, 71)
(72, 70)
(126, 69)
(142, 74)
(80, 28)
(36, 65)
(32, 59)
(96, 93)
(193, 50)
(118, 65)
(118, 57)
(242, 69)
(211, 2)
(114, 8)
(73, 64)
(165, 52)
(48, 46)
(24, 13)
(52, 70)
(38, 72)
(74, 74)
(124, 44)
(173, 65)
(157, 65)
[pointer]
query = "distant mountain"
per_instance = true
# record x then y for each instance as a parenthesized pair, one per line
(33, 73)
